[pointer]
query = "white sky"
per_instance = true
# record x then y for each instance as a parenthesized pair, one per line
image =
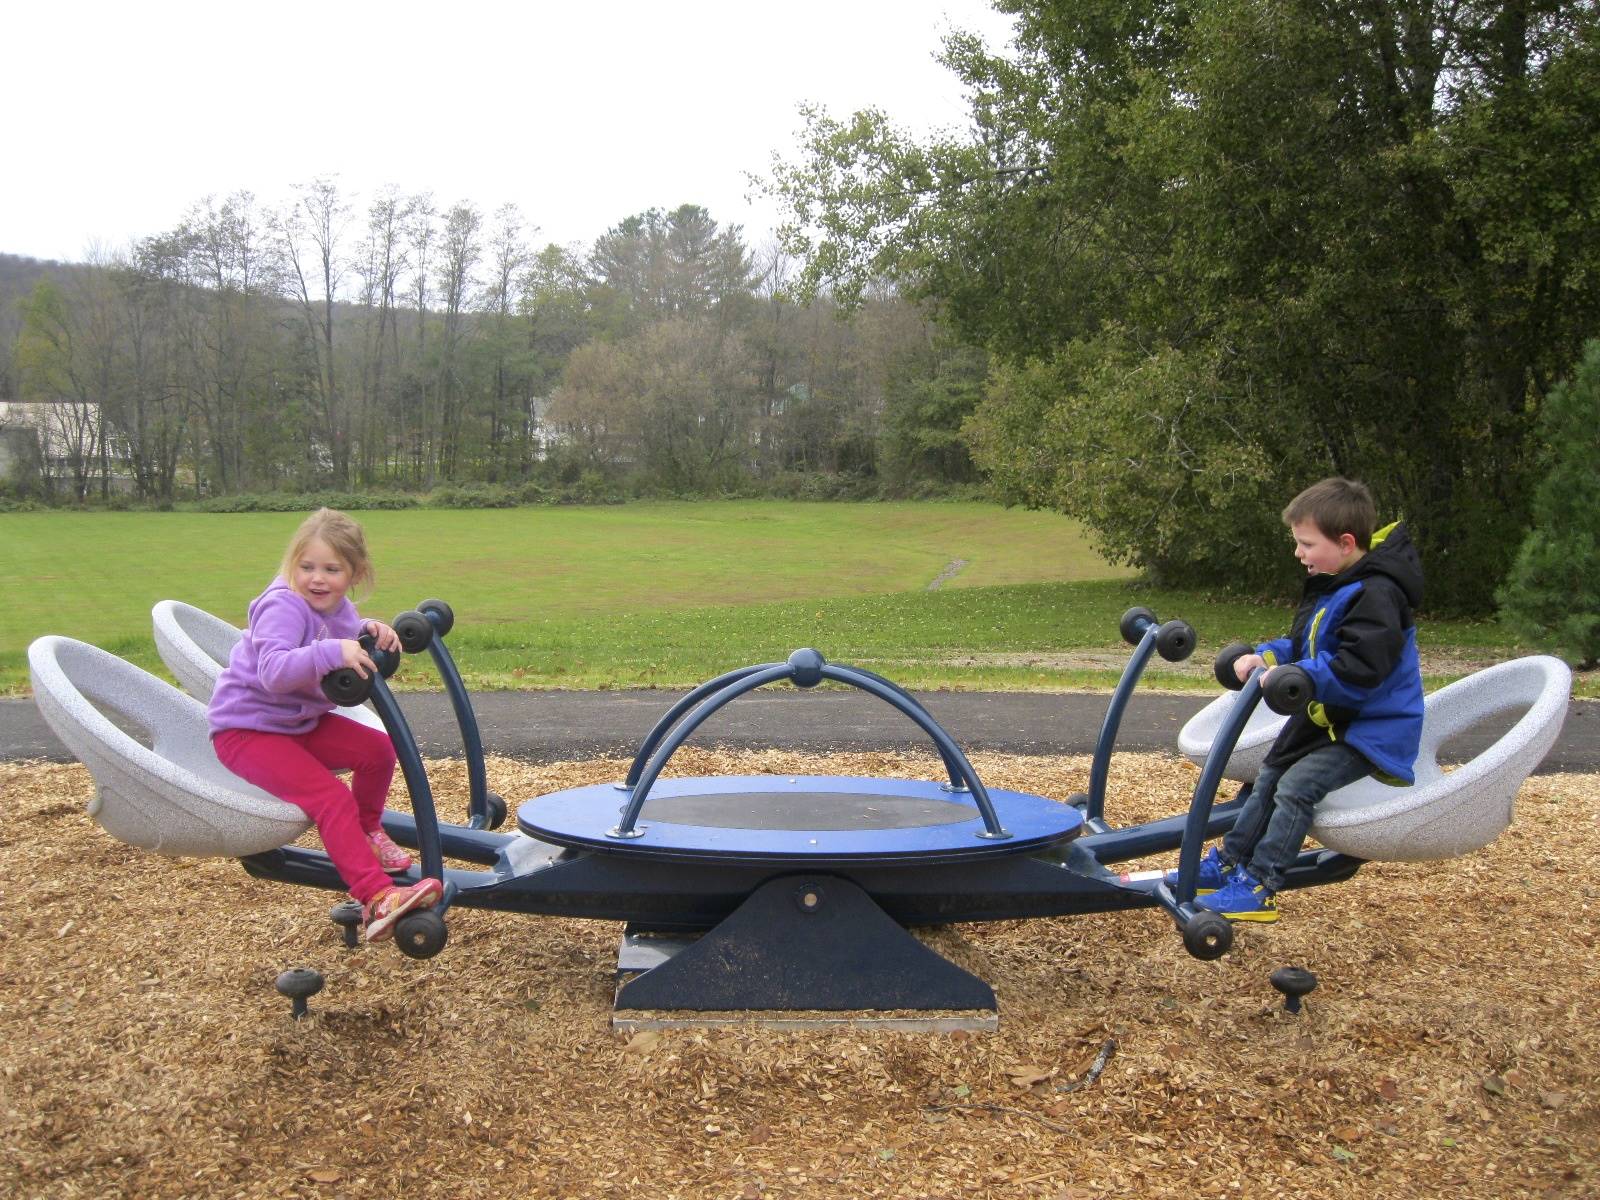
(123, 115)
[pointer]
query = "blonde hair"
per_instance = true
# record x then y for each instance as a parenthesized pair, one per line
(341, 535)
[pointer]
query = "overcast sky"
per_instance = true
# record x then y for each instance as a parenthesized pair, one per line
(123, 115)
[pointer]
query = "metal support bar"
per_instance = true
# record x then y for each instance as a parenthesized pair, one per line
(467, 722)
(416, 777)
(1101, 766)
(1205, 788)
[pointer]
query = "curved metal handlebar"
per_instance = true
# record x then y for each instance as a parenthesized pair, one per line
(466, 722)
(726, 688)
(1100, 767)
(685, 703)
(1205, 788)
(416, 777)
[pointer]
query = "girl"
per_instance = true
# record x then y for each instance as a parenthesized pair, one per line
(271, 724)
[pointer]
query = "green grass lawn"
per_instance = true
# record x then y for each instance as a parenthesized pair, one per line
(660, 595)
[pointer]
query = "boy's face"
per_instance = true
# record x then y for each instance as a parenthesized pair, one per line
(1320, 554)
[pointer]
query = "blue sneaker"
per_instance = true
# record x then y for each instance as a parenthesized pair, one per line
(1242, 898)
(1212, 874)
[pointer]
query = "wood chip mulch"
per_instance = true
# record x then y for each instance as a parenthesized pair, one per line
(1452, 1047)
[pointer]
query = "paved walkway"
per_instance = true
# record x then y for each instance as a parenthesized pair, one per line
(552, 726)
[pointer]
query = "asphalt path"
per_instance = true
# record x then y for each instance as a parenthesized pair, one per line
(552, 726)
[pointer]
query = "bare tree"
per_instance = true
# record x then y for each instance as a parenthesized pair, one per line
(508, 259)
(415, 431)
(383, 260)
(309, 232)
(459, 251)
(57, 365)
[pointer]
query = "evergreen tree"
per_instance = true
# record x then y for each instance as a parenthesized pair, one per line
(1552, 595)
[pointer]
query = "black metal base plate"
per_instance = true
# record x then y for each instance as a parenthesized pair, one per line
(805, 942)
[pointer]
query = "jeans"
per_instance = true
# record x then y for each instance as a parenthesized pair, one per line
(299, 768)
(1278, 813)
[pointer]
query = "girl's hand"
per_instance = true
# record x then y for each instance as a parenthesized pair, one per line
(356, 657)
(1246, 663)
(384, 635)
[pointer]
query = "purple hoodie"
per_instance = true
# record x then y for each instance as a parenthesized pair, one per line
(273, 680)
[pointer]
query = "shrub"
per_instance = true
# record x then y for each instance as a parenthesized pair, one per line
(473, 495)
(1552, 595)
(242, 502)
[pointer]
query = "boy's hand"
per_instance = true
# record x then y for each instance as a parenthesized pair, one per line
(384, 635)
(1245, 664)
(357, 658)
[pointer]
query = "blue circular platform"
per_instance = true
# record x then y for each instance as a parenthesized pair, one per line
(807, 820)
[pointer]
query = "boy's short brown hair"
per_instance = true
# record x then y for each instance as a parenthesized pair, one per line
(1336, 505)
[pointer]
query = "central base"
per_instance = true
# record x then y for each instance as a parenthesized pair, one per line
(798, 942)
(976, 1022)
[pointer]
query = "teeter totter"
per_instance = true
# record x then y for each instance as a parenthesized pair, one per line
(760, 892)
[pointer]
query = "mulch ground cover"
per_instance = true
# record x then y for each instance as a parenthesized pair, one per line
(1451, 1048)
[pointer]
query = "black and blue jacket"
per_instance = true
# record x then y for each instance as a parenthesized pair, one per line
(1353, 634)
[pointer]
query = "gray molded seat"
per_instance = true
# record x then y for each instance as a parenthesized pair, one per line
(1446, 813)
(195, 646)
(162, 790)
(1197, 734)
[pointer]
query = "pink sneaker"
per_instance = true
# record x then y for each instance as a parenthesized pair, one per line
(389, 905)
(390, 856)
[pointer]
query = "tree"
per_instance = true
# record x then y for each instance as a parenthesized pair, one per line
(695, 386)
(382, 263)
(58, 366)
(460, 247)
(227, 272)
(594, 415)
(1552, 596)
(510, 433)
(310, 232)
(657, 265)
(925, 413)
(153, 409)
(1222, 249)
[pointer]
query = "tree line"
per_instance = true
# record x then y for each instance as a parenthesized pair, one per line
(330, 343)
(1217, 249)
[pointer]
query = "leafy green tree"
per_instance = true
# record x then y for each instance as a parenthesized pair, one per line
(1552, 596)
(924, 414)
(1220, 249)
(657, 265)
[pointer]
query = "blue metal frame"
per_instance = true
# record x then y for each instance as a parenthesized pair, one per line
(1100, 766)
(748, 680)
(693, 877)
(416, 777)
(466, 722)
(670, 718)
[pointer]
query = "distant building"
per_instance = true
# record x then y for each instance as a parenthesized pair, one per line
(19, 454)
(58, 442)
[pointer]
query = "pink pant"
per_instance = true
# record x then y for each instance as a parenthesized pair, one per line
(298, 767)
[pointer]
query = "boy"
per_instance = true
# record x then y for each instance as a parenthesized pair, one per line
(1353, 634)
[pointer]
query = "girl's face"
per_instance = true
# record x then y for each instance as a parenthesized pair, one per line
(321, 576)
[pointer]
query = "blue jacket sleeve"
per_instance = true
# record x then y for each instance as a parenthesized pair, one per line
(1276, 652)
